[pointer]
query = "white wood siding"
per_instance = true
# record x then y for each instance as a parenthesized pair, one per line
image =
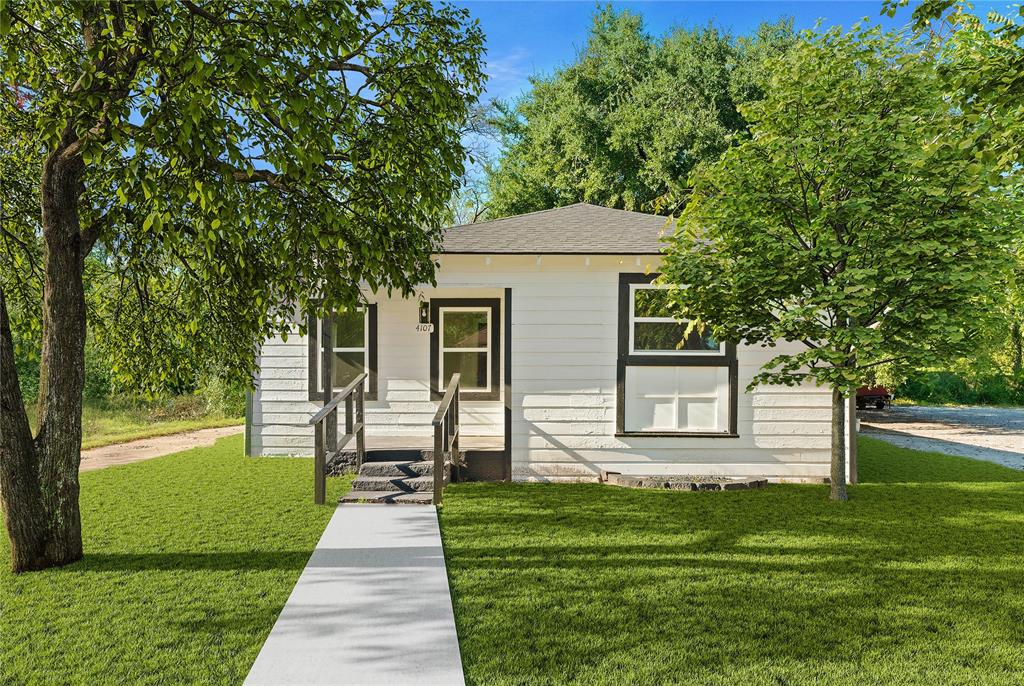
(564, 349)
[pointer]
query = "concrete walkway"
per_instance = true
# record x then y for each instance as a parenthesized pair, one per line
(372, 606)
(155, 446)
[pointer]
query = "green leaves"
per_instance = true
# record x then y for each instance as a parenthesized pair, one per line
(863, 217)
(626, 123)
(236, 164)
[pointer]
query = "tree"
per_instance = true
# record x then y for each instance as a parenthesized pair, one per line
(626, 122)
(232, 162)
(863, 216)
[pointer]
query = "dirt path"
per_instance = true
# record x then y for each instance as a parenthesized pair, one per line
(995, 434)
(148, 448)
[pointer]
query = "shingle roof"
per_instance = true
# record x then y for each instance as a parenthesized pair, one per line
(581, 229)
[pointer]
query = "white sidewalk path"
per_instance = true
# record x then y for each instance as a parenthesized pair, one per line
(372, 606)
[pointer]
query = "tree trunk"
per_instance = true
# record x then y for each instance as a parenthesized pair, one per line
(39, 479)
(838, 476)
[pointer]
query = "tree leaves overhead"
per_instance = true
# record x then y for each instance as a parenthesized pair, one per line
(863, 216)
(627, 121)
(242, 158)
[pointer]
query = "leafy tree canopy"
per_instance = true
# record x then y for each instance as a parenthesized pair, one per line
(220, 163)
(625, 124)
(236, 159)
(862, 216)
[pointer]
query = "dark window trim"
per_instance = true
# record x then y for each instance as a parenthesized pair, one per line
(436, 393)
(313, 352)
(625, 359)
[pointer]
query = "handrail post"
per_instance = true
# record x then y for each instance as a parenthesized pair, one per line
(319, 465)
(456, 456)
(361, 419)
(438, 462)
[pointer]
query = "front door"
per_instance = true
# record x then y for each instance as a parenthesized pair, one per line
(466, 339)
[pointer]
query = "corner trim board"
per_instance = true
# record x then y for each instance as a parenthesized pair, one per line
(507, 328)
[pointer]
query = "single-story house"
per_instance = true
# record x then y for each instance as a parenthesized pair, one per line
(570, 365)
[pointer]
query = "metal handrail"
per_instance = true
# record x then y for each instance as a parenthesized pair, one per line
(325, 432)
(446, 434)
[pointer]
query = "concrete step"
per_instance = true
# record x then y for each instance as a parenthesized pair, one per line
(397, 469)
(386, 483)
(387, 497)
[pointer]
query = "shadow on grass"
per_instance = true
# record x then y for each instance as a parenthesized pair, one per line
(211, 561)
(913, 583)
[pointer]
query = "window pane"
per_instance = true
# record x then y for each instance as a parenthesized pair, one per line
(465, 329)
(349, 329)
(346, 367)
(652, 302)
(668, 336)
(472, 366)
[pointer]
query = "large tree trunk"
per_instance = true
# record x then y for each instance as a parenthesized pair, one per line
(838, 476)
(39, 479)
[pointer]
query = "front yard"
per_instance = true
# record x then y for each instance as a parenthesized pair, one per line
(189, 559)
(915, 581)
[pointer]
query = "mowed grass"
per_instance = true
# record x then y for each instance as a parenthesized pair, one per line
(105, 422)
(189, 559)
(918, 579)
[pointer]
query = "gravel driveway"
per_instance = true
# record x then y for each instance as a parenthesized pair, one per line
(995, 434)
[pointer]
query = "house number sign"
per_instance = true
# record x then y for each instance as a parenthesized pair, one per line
(425, 328)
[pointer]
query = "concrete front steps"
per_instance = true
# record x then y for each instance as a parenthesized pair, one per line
(409, 479)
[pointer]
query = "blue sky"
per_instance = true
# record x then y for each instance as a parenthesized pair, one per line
(525, 38)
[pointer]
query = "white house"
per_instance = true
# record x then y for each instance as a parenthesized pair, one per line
(569, 365)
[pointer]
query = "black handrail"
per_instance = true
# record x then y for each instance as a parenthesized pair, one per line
(325, 432)
(446, 435)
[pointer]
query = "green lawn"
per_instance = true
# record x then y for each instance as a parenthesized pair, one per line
(189, 559)
(105, 422)
(919, 579)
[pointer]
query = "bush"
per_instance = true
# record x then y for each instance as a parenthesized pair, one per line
(220, 397)
(950, 387)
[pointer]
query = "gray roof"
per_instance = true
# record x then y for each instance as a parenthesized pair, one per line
(581, 229)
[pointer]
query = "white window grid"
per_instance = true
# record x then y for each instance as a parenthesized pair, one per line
(484, 349)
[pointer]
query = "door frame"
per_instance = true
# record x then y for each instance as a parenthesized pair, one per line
(497, 354)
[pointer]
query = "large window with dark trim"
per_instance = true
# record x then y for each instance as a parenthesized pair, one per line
(466, 339)
(353, 348)
(670, 381)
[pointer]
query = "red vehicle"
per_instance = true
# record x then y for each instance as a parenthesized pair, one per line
(878, 396)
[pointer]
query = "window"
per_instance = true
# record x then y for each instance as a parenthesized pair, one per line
(354, 348)
(465, 347)
(669, 383)
(466, 339)
(677, 399)
(654, 331)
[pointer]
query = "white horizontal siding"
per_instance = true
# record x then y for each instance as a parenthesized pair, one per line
(565, 343)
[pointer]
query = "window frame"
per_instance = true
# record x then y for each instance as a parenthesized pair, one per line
(487, 349)
(494, 323)
(726, 357)
(634, 319)
(314, 327)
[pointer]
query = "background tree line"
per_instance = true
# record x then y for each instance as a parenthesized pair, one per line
(635, 116)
